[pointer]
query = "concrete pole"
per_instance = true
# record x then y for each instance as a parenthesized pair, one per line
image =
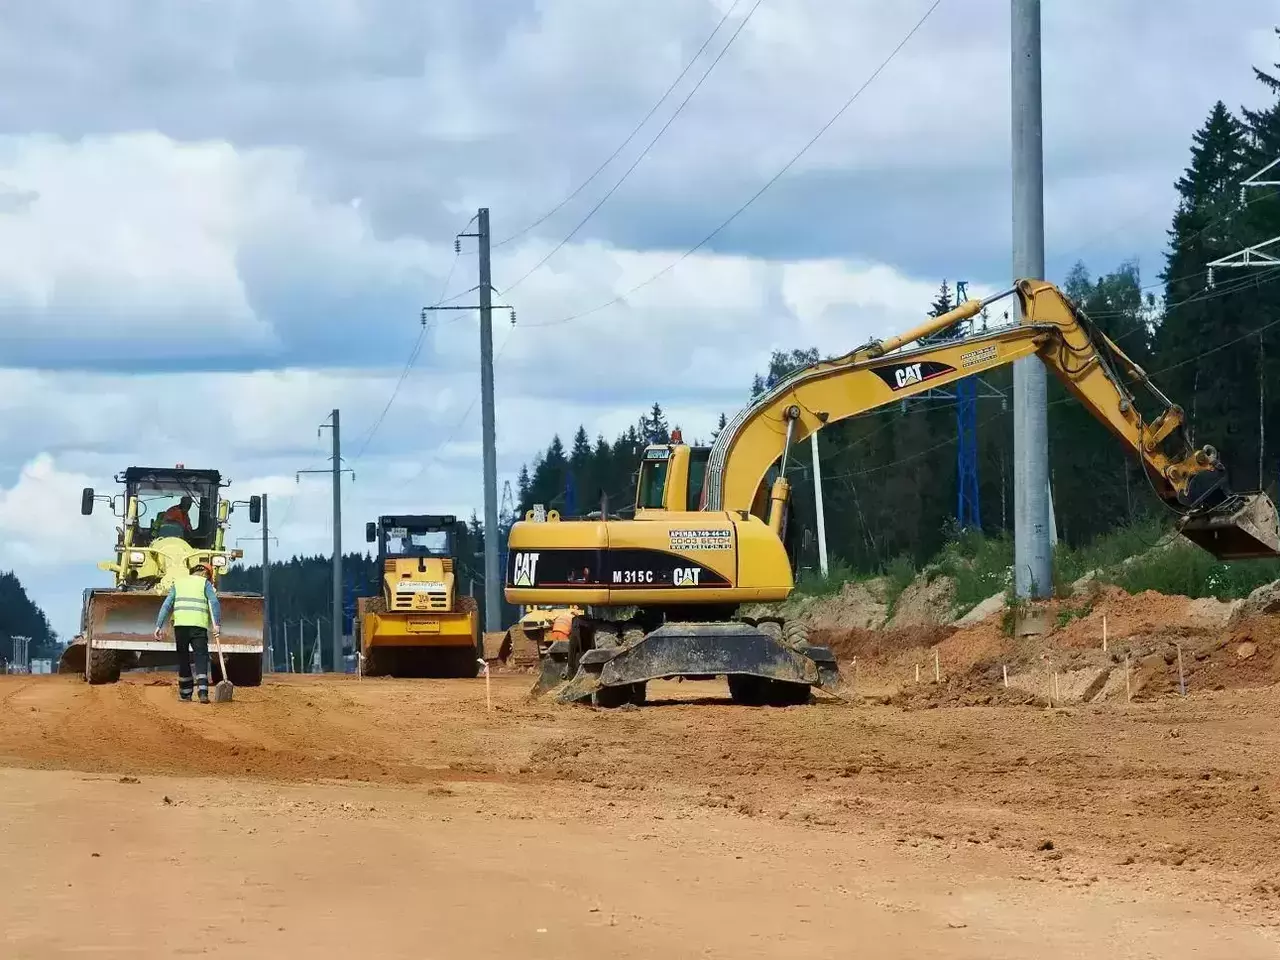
(268, 655)
(337, 551)
(1033, 558)
(492, 578)
(817, 499)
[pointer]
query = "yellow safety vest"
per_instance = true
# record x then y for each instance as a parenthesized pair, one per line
(190, 606)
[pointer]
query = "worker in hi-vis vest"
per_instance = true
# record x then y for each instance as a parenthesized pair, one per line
(194, 604)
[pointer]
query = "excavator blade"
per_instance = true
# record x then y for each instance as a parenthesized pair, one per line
(704, 650)
(1245, 526)
(553, 669)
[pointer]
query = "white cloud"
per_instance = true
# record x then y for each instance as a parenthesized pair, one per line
(40, 521)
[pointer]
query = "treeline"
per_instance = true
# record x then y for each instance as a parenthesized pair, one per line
(890, 477)
(20, 617)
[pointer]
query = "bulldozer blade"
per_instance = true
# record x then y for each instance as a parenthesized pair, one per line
(124, 617)
(242, 621)
(1242, 527)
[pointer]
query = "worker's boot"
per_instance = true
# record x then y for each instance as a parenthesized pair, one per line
(185, 685)
(202, 687)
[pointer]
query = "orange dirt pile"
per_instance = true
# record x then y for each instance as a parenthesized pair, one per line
(1149, 628)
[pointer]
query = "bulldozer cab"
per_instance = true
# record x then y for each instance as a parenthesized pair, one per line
(419, 535)
(159, 491)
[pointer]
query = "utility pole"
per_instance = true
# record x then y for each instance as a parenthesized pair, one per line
(336, 470)
(1033, 559)
(492, 596)
(492, 575)
(268, 654)
(817, 500)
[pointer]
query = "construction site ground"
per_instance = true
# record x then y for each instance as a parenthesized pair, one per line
(322, 816)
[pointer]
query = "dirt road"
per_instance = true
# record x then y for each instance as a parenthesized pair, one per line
(401, 819)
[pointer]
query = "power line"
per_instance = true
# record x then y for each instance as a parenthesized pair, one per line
(774, 179)
(413, 357)
(435, 457)
(631, 136)
(643, 153)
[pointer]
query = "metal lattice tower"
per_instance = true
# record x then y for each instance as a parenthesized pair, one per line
(965, 396)
(968, 509)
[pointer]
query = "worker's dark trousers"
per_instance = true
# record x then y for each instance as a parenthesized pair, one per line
(192, 640)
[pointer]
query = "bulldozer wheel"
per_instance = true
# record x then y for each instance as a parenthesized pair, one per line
(101, 666)
(464, 662)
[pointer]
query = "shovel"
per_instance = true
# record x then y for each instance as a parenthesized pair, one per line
(223, 689)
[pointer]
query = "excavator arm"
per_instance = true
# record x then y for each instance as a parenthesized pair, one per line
(1191, 481)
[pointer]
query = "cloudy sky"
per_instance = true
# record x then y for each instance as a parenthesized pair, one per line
(220, 220)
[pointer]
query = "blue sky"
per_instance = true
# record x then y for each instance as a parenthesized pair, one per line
(220, 221)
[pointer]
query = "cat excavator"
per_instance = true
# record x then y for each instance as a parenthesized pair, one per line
(661, 590)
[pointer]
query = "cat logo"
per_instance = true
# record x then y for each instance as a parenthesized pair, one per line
(524, 570)
(905, 376)
(685, 576)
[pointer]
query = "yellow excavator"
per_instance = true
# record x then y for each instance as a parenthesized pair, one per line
(662, 590)
(420, 623)
(117, 623)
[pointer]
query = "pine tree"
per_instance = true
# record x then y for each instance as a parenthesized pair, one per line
(655, 428)
(942, 303)
(720, 425)
(1204, 228)
(20, 617)
(581, 451)
(523, 484)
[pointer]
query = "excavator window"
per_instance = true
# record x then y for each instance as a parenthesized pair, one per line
(698, 457)
(653, 485)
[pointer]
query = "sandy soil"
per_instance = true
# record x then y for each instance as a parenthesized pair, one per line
(400, 817)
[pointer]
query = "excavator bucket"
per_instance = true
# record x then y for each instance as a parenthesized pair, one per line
(1245, 526)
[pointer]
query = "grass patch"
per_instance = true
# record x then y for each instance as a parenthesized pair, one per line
(1067, 614)
(1186, 569)
(811, 583)
(898, 576)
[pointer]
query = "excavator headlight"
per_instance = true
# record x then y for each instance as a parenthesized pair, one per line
(137, 557)
(219, 561)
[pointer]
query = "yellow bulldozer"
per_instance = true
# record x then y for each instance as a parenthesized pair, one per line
(172, 518)
(663, 590)
(420, 623)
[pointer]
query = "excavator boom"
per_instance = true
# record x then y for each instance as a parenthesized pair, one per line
(1192, 482)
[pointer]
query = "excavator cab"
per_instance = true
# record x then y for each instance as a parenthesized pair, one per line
(672, 476)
